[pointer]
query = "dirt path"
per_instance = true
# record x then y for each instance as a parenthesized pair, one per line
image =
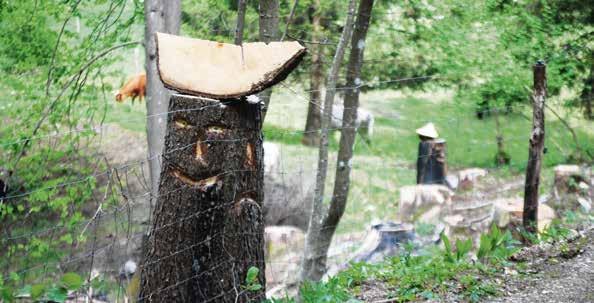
(565, 278)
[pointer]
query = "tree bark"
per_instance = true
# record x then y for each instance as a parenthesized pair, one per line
(208, 228)
(431, 162)
(311, 136)
(241, 6)
(313, 267)
(161, 16)
(530, 213)
(269, 31)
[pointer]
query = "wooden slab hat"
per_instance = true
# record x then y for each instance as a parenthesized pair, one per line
(223, 71)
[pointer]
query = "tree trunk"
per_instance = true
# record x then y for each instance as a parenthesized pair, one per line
(342, 181)
(241, 6)
(431, 162)
(313, 267)
(311, 136)
(501, 157)
(268, 32)
(207, 229)
(161, 16)
(588, 91)
(530, 214)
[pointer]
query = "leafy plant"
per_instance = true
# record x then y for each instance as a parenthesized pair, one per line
(462, 248)
(251, 280)
(330, 292)
(496, 245)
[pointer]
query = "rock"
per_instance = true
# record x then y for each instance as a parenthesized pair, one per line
(571, 189)
(468, 177)
(128, 270)
(509, 211)
(567, 178)
(468, 218)
(452, 181)
(416, 200)
(284, 247)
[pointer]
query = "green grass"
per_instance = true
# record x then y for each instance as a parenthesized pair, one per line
(470, 141)
(433, 274)
(382, 167)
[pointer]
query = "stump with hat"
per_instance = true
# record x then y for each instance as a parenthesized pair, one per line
(431, 161)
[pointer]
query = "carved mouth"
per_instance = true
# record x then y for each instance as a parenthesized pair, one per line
(203, 184)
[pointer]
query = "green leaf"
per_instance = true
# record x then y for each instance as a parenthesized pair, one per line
(72, 281)
(252, 275)
(462, 248)
(6, 294)
(448, 247)
(37, 290)
(485, 247)
(254, 287)
(57, 294)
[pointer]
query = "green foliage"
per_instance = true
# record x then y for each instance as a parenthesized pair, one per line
(251, 280)
(426, 276)
(53, 94)
(496, 246)
(46, 291)
(462, 248)
(331, 291)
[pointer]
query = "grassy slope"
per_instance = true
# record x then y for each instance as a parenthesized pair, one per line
(380, 169)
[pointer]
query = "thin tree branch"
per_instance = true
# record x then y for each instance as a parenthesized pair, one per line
(289, 20)
(241, 6)
(64, 89)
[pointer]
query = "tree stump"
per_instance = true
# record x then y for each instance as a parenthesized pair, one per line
(431, 162)
(208, 230)
(210, 203)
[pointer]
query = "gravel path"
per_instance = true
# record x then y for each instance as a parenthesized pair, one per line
(563, 278)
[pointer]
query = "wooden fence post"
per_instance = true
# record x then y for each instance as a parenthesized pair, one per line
(536, 146)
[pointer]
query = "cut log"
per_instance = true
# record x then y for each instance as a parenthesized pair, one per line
(431, 162)
(224, 71)
(509, 212)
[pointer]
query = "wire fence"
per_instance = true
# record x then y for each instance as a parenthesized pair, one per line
(106, 243)
(112, 232)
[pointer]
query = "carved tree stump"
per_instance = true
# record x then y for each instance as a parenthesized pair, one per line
(208, 218)
(208, 228)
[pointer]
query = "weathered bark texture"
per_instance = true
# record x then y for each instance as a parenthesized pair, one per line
(268, 32)
(313, 267)
(530, 214)
(161, 16)
(207, 229)
(431, 162)
(311, 136)
(241, 6)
